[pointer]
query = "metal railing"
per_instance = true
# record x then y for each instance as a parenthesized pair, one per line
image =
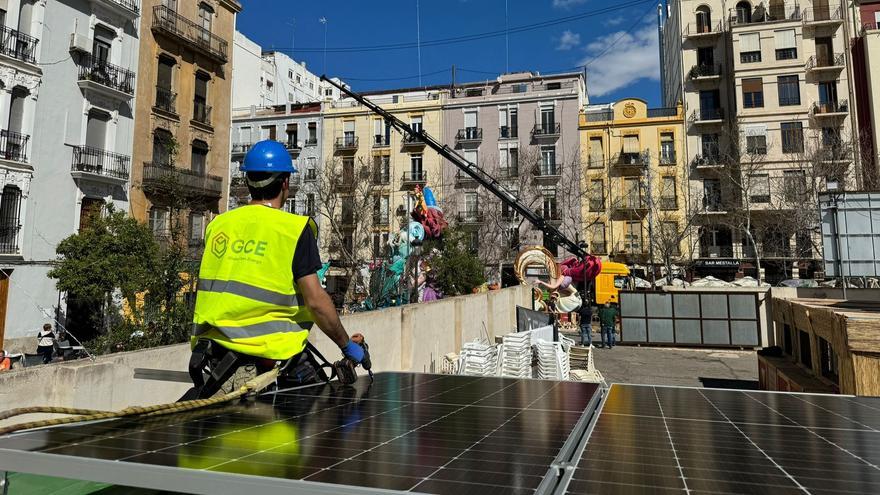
(668, 203)
(312, 141)
(507, 132)
(836, 61)
(698, 71)
(412, 140)
(381, 141)
(166, 99)
(707, 160)
(509, 172)
(698, 29)
(602, 116)
(169, 21)
(291, 145)
(706, 114)
(546, 130)
(415, 176)
(9, 238)
(202, 112)
(822, 14)
(831, 107)
(767, 13)
(468, 215)
(786, 53)
(13, 146)
(469, 134)
(834, 153)
(628, 160)
(597, 204)
(15, 44)
(100, 162)
(381, 178)
(346, 143)
(166, 178)
(713, 205)
(241, 147)
(106, 74)
(654, 113)
(598, 248)
(667, 158)
(716, 251)
(381, 219)
(131, 5)
(548, 170)
(464, 178)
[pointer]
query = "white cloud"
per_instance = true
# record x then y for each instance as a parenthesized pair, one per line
(614, 21)
(564, 4)
(622, 58)
(568, 40)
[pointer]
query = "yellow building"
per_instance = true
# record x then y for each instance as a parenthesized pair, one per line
(635, 182)
(182, 114)
(353, 138)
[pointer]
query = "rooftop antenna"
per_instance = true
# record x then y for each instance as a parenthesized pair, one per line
(506, 40)
(323, 21)
(292, 25)
(419, 39)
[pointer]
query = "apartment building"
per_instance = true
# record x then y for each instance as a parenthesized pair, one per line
(522, 129)
(298, 127)
(866, 78)
(268, 78)
(636, 178)
(765, 89)
(182, 115)
(21, 23)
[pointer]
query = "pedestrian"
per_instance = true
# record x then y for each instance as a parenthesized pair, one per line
(46, 343)
(607, 319)
(5, 362)
(585, 314)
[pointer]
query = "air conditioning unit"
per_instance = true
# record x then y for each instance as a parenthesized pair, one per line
(80, 43)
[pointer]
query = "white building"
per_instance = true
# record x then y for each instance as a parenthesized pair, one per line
(80, 148)
(263, 79)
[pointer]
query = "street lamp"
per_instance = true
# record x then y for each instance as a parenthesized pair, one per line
(832, 186)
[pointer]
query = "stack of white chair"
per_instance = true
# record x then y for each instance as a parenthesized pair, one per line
(516, 355)
(478, 359)
(553, 359)
(449, 365)
(585, 370)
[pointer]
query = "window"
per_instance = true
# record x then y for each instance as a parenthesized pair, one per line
(786, 46)
(759, 192)
(829, 362)
(473, 241)
(348, 132)
(96, 129)
(787, 339)
(710, 104)
(712, 195)
(668, 197)
(756, 139)
(789, 90)
(201, 110)
(597, 239)
(548, 120)
(473, 92)
(631, 148)
(196, 228)
(292, 132)
(328, 92)
(706, 56)
(792, 137)
(380, 241)
(313, 134)
(381, 207)
(415, 166)
(348, 170)
(704, 19)
(507, 121)
(10, 221)
(670, 238)
(824, 51)
(597, 195)
(553, 86)
(632, 193)
(709, 148)
(520, 88)
(753, 93)
(25, 16)
(102, 45)
(548, 160)
(806, 351)
(162, 143)
(290, 73)
(471, 156)
(268, 132)
(597, 155)
(290, 97)
(310, 204)
(549, 206)
(509, 158)
(743, 13)
(511, 236)
(199, 157)
(471, 206)
(794, 184)
(16, 109)
(382, 172)
(632, 241)
(667, 148)
(312, 169)
(470, 124)
(290, 205)
(206, 15)
(749, 48)
(828, 96)
(159, 221)
(416, 123)
(90, 209)
(507, 211)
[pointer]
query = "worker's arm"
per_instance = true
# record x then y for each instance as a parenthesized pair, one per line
(319, 302)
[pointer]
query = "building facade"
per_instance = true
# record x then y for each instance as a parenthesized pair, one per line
(298, 127)
(866, 79)
(765, 88)
(635, 176)
(522, 129)
(182, 116)
(20, 80)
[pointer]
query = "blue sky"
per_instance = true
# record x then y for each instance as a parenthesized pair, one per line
(619, 46)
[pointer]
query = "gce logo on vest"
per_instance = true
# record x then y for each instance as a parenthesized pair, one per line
(221, 243)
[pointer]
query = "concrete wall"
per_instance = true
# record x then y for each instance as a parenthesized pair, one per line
(413, 337)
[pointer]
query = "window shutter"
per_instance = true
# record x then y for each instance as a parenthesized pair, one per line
(630, 144)
(750, 42)
(470, 119)
(785, 39)
(752, 85)
(349, 126)
(755, 130)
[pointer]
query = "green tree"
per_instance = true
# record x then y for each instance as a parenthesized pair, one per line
(457, 270)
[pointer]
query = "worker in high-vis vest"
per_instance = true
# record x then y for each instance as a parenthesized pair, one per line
(258, 292)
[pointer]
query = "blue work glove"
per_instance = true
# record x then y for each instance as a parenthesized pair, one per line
(353, 351)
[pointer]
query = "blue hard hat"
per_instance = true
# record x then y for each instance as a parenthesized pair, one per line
(267, 156)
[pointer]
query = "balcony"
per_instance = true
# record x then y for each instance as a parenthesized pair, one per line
(18, 45)
(414, 178)
(469, 135)
(292, 147)
(380, 178)
(787, 12)
(105, 78)
(470, 216)
(834, 154)
(552, 217)
(629, 163)
(597, 205)
(13, 146)
(598, 248)
(346, 143)
(548, 172)
(830, 110)
(163, 179)
(705, 73)
(713, 206)
(823, 16)
(546, 130)
(240, 149)
(508, 132)
(831, 64)
(707, 161)
(381, 219)
(412, 141)
(707, 116)
(668, 203)
(166, 100)
(131, 9)
(463, 179)
(9, 239)
(668, 158)
(201, 113)
(699, 31)
(380, 141)
(169, 22)
(311, 141)
(716, 251)
(344, 182)
(509, 172)
(633, 251)
(100, 165)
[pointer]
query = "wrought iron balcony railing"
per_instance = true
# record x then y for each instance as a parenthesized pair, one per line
(700, 29)
(381, 141)
(707, 115)
(705, 71)
(106, 74)
(507, 132)
(15, 44)
(166, 100)
(833, 61)
(161, 178)
(167, 20)
(100, 162)
(202, 112)
(469, 134)
(9, 238)
(821, 15)
(470, 216)
(133, 6)
(412, 140)
(13, 146)
(546, 130)
(415, 177)
(346, 143)
(830, 108)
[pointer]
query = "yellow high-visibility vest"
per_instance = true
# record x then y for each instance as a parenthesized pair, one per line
(247, 300)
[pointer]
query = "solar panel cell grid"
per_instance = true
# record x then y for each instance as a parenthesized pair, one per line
(664, 440)
(426, 433)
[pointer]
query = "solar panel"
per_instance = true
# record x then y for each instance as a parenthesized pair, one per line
(417, 432)
(672, 440)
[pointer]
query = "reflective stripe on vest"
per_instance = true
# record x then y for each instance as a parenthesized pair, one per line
(255, 330)
(251, 292)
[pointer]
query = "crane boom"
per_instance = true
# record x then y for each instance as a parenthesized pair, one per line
(488, 182)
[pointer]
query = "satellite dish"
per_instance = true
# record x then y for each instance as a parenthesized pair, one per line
(299, 144)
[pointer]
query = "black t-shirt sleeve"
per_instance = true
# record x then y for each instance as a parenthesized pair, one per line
(306, 258)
